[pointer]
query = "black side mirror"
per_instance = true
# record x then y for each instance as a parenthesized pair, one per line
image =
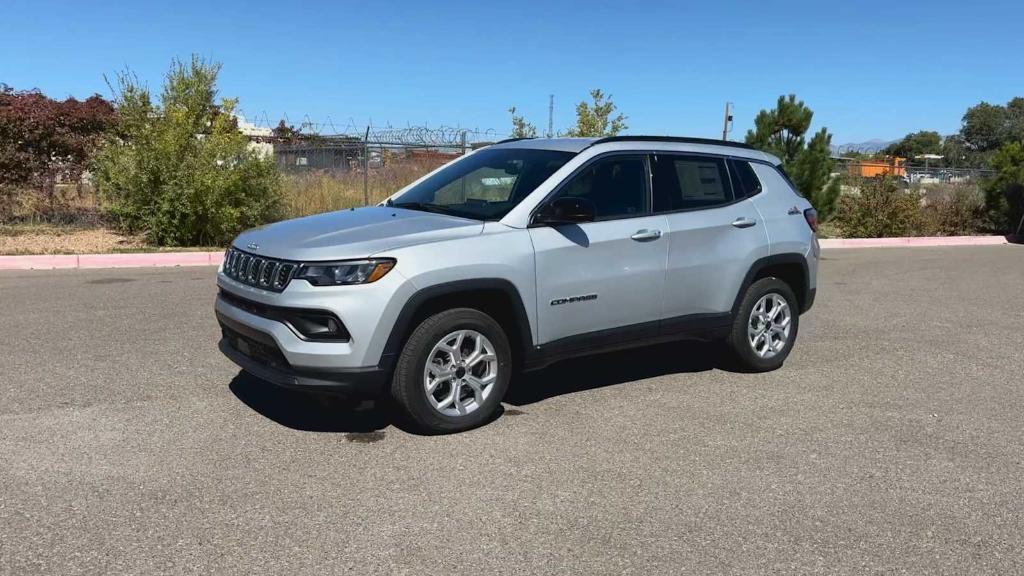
(566, 210)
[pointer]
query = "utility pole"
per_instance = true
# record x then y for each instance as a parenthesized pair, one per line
(551, 116)
(727, 121)
(366, 167)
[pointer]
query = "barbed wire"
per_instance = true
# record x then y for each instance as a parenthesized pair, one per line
(442, 136)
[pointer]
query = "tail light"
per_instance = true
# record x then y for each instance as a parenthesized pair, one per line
(811, 215)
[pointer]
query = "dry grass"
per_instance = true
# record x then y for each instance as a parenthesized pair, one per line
(316, 192)
(66, 204)
(71, 221)
(55, 239)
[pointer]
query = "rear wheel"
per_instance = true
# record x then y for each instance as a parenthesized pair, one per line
(765, 328)
(453, 372)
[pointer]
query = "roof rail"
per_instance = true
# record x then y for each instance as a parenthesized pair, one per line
(680, 139)
(515, 139)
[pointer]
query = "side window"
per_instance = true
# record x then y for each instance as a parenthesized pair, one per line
(744, 180)
(689, 182)
(616, 185)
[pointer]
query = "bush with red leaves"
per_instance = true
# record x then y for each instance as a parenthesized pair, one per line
(42, 139)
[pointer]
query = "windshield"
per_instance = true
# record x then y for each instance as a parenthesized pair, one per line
(485, 185)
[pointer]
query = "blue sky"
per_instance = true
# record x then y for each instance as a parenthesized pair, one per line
(869, 70)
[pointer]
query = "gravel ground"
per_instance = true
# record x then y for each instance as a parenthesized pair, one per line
(891, 441)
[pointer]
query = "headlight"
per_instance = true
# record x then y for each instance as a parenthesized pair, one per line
(343, 273)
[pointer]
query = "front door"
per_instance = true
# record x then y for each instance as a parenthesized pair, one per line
(608, 274)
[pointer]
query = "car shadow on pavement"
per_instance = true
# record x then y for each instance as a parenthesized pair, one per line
(602, 370)
(311, 412)
(307, 411)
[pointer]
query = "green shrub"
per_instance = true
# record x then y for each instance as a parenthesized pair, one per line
(1004, 195)
(179, 171)
(953, 210)
(880, 210)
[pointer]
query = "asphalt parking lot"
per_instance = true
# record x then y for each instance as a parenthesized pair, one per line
(891, 441)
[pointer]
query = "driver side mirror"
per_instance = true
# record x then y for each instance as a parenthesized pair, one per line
(566, 210)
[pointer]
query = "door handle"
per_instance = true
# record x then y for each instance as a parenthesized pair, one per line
(743, 222)
(646, 235)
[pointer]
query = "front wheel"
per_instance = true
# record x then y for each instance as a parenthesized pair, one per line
(765, 328)
(453, 372)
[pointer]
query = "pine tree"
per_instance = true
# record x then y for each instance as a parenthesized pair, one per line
(782, 132)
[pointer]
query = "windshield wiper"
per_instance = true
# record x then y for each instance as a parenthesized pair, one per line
(424, 206)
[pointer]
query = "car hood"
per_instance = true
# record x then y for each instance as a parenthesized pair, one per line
(355, 233)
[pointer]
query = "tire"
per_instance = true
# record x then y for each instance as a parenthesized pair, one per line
(460, 399)
(763, 355)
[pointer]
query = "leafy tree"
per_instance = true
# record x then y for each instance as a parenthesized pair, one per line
(916, 144)
(595, 119)
(285, 132)
(988, 127)
(781, 132)
(520, 127)
(1004, 195)
(1015, 120)
(984, 126)
(954, 150)
(179, 170)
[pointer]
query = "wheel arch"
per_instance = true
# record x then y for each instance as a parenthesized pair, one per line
(791, 268)
(496, 297)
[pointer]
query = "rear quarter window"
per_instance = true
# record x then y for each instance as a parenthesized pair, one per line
(744, 180)
(774, 179)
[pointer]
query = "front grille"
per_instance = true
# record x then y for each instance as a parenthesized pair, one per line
(257, 271)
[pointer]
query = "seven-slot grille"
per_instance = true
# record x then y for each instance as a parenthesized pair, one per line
(257, 271)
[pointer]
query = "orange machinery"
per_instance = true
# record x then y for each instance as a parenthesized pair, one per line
(890, 166)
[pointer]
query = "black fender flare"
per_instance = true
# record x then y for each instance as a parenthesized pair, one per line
(403, 324)
(773, 260)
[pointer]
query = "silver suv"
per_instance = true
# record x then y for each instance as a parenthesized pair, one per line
(518, 255)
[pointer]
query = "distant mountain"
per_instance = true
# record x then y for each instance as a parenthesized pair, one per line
(868, 147)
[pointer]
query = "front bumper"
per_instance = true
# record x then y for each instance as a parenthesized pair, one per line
(257, 353)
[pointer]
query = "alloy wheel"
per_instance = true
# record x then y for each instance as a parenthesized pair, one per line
(769, 325)
(460, 372)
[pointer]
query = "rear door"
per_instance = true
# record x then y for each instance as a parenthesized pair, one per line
(714, 234)
(608, 274)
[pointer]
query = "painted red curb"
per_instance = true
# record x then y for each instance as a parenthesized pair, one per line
(912, 241)
(135, 260)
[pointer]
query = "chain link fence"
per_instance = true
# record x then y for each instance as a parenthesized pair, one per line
(378, 153)
(918, 174)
